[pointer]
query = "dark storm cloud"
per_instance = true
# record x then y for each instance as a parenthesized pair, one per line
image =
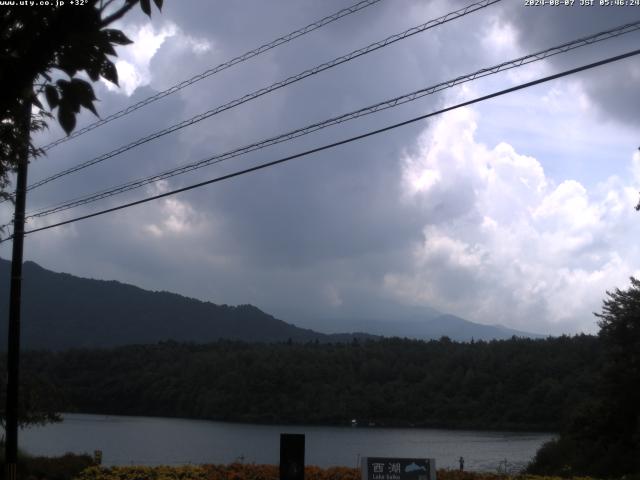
(336, 203)
(315, 235)
(614, 88)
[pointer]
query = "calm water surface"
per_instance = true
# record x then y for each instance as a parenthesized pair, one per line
(155, 441)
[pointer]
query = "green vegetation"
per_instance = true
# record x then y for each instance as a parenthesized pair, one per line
(61, 311)
(37, 406)
(586, 387)
(39, 44)
(513, 384)
(66, 467)
(238, 471)
(603, 436)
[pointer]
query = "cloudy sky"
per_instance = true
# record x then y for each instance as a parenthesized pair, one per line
(518, 210)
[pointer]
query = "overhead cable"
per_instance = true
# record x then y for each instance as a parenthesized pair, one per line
(212, 71)
(341, 142)
(275, 86)
(390, 103)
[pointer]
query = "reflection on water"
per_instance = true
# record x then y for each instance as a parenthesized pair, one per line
(154, 441)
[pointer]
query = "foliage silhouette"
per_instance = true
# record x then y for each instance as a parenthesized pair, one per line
(512, 384)
(41, 45)
(603, 436)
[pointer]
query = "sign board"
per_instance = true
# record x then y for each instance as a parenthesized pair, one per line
(291, 456)
(381, 468)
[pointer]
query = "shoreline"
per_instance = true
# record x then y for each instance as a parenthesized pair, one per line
(364, 425)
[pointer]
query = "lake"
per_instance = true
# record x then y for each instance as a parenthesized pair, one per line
(170, 441)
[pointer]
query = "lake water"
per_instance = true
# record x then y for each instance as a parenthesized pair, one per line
(168, 441)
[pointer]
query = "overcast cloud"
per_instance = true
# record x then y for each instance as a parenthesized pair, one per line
(516, 211)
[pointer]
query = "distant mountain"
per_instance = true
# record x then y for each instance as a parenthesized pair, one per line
(62, 311)
(462, 330)
(425, 325)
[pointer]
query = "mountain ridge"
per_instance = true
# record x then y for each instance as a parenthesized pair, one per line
(61, 311)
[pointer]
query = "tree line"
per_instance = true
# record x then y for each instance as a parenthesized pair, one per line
(509, 384)
(601, 435)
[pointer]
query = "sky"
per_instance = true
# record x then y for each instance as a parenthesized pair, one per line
(516, 211)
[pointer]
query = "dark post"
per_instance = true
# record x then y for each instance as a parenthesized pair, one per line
(291, 456)
(13, 352)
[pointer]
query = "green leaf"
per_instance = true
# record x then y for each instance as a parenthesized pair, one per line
(69, 96)
(65, 92)
(158, 4)
(51, 94)
(71, 59)
(83, 93)
(83, 89)
(146, 6)
(107, 49)
(109, 72)
(116, 36)
(67, 118)
(68, 69)
(93, 68)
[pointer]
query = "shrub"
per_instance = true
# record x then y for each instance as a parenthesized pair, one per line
(237, 471)
(65, 467)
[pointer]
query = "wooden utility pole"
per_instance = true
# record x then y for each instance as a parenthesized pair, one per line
(13, 351)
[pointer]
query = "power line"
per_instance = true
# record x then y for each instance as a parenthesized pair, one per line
(565, 47)
(341, 142)
(223, 66)
(275, 86)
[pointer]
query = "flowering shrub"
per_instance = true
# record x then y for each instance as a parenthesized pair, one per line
(144, 473)
(237, 471)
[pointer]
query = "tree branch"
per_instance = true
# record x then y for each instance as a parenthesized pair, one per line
(119, 13)
(105, 5)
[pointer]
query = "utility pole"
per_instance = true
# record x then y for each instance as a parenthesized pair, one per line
(13, 351)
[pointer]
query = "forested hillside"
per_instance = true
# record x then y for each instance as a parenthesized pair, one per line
(63, 311)
(512, 384)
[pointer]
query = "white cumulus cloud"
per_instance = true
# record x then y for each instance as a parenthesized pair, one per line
(504, 242)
